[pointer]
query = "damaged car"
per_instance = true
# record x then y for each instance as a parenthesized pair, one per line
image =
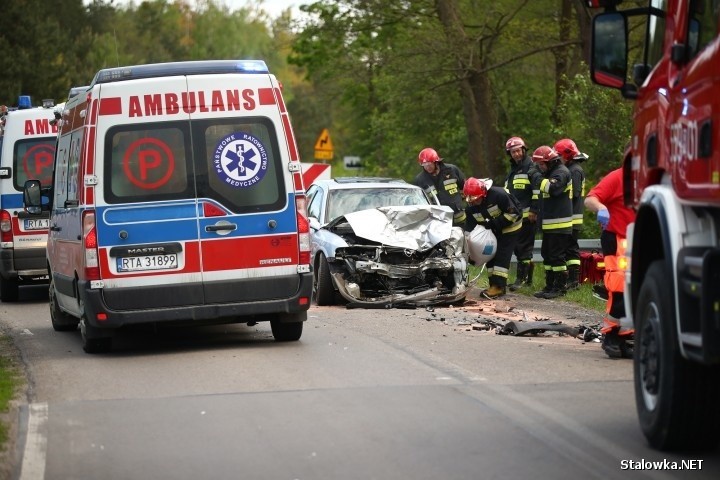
(381, 243)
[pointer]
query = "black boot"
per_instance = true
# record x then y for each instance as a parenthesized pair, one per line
(520, 276)
(549, 279)
(558, 285)
(530, 272)
(573, 277)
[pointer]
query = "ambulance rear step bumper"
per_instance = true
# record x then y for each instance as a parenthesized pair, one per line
(238, 311)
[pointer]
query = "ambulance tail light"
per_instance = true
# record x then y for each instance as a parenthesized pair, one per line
(6, 234)
(303, 229)
(90, 243)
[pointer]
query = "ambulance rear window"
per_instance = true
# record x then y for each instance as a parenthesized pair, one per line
(33, 160)
(235, 161)
(240, 164)
(148, 162)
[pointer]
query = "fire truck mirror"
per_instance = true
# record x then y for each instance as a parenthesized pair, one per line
(609, 52)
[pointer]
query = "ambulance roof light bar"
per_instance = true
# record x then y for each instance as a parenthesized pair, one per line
(204, 67)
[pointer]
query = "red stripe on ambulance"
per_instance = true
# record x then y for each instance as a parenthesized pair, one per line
(290, 137)
(111, 106)
(250, 252)
(266, 96)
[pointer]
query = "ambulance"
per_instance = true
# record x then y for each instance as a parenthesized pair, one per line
(27, 149)
(177, 199)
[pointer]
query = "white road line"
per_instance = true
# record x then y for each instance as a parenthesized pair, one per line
(33, 465)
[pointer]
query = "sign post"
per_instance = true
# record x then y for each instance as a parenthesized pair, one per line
(324, 146)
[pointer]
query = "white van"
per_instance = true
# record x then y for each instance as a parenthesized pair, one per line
(177, 199)
(27, 149)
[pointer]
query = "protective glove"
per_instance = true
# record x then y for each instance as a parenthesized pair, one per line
(603, 217)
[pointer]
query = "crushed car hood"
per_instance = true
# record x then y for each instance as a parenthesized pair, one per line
(414, 227)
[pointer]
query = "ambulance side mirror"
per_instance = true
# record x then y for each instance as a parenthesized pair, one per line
(32, 197)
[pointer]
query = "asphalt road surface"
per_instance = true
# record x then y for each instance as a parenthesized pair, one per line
(365, 394)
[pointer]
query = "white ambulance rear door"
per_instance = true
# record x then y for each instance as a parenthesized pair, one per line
(248, 224)
(146, 199)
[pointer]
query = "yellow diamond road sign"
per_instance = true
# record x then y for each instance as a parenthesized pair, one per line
(324, 146)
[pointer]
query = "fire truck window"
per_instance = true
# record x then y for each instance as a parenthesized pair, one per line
(656, 34)
(703, 25)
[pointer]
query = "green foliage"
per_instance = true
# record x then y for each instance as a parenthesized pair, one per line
(600, 123)
(9, 382)
(386, 78)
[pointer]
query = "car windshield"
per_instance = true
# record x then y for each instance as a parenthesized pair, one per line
(341, 202)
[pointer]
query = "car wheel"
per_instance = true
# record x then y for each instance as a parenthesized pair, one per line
(289, 328)
(9, 290)
(61, 321)
(93, 341)
(324, 291)
(676, 399)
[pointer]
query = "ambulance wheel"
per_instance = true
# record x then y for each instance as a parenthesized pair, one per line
(93, 339)
(61, 321)
(323, 286)
(288, 331)
(9, 290)
(676, 399)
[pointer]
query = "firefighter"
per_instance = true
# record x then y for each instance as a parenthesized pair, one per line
(606, 198)
(572, 158)
(519, 184)
(499, 211)
(555, 188)
(443, 182)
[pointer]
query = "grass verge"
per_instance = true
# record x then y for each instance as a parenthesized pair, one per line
(582, 296)
(10, 382)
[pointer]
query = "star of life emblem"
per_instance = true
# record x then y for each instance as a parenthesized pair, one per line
(240, 160)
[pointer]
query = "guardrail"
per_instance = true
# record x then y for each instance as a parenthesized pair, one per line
(586, 244)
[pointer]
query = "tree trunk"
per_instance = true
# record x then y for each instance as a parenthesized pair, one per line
(479, 110)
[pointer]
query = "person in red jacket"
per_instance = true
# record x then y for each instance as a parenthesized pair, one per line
(606, 198)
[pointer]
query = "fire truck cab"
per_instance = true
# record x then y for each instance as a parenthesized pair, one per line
(672, 179)
(27, 148)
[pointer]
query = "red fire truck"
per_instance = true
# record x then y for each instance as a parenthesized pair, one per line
(672, 178)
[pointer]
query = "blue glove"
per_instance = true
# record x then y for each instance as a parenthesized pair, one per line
(603, 217)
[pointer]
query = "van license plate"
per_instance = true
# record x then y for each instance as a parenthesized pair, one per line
(147, 262)
(37, 223)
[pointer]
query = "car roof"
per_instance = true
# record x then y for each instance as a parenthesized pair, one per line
(342, 183)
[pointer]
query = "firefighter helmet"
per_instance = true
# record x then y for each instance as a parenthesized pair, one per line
(514, 142)
(474, 188)
(428, 155)
(566, 148)
(544, 154)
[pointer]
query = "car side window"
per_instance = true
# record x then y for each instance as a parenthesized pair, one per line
(315, 205)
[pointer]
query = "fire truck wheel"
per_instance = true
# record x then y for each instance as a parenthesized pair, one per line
(9, 290)
(61, 321)
(288, 329)
(93, 340)
(676, 399)
(323, 287)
